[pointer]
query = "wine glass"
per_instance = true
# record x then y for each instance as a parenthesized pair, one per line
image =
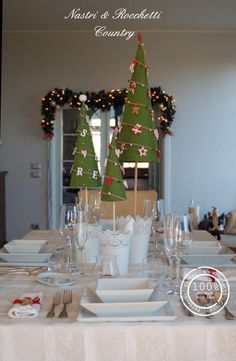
(156, 210)
(95, 207)
(68, 229)
(171, 233)
(158, 222)
(182, 234)
(81, 237)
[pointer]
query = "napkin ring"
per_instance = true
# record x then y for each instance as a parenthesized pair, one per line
(27, 301)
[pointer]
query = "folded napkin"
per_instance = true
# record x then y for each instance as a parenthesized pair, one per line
(27, 305)
(126, 224)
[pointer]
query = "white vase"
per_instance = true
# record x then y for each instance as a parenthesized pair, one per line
(91, 250)
(140, 240)
(116, 243)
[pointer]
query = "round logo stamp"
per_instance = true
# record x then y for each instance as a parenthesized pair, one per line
(204, 291)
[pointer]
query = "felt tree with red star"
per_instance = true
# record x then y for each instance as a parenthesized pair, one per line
(113, 188)
(137, 140)
(84, 172)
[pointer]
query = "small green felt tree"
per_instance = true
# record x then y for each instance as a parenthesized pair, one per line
(138, 138)
(84, 172)
(113, 188)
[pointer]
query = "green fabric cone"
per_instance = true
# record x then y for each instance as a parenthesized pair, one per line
(137, 140)
(84, 172)
(113, 189)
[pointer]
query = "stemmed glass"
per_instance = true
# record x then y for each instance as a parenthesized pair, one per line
(155, 210)
(171, 233)
(177, 241)
(158, 223)
(81, 237)
(68, 229)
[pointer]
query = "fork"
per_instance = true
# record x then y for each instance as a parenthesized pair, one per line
(55, 302)
(67, 299)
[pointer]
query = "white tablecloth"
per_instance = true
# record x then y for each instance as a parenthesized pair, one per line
(43, 339)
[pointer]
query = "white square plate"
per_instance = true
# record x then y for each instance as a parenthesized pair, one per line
(164, 313)
(124, 290)
(208, 260)
(25, 258)
(24, 246)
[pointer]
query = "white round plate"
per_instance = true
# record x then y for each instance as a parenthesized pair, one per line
(56, 279)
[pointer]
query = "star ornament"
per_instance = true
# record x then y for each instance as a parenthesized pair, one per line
(137, 129)
(142, 151)
(135, 109)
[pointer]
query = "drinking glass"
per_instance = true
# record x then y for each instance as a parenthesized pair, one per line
(81, 236)
(157, 211)
(171, 233)
(182, 234)
(106, 265)
(95, 207)
(158, 221)
(56, 261)
(68, 229)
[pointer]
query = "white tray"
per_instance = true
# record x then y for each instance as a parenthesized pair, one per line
(165, 313)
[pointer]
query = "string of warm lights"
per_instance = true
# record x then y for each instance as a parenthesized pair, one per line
(116, 98)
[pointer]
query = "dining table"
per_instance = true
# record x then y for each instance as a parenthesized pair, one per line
(68, 339)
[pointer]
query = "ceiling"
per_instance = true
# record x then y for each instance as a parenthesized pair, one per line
(178, 15)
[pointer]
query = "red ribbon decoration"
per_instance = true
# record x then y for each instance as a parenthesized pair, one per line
(35, 300)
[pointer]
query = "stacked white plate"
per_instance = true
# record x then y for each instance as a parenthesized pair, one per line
(208, 255)
(123, 299)
(24, 252)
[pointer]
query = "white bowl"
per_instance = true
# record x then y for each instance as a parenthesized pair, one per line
(123, 309)
(24, 246)
(207, 243)
(124, 290)
(207, 250)
(207, 260)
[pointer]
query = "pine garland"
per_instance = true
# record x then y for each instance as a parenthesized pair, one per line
(116, 98)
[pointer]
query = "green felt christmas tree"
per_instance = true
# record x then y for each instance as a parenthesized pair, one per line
(113, 188)
(84, 172)
(138, 138)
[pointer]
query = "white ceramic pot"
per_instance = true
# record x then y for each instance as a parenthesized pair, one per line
(116, 243)
(91, 250)
(140, 240)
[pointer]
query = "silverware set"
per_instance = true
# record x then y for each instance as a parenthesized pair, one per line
(65, 298)
(30, 271)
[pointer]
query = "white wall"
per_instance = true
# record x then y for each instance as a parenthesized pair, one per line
(198, 69)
